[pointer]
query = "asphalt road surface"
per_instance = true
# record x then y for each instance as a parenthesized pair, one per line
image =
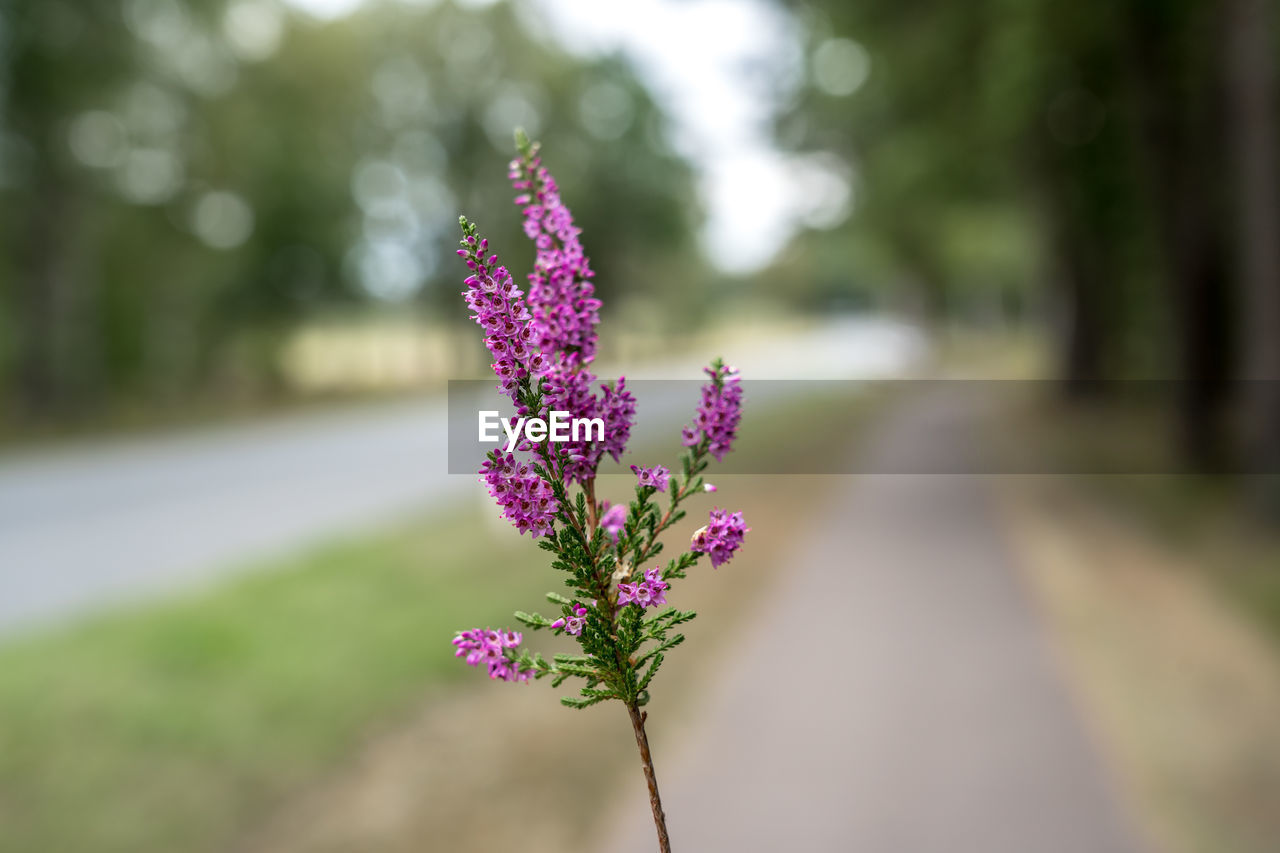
(85, 528)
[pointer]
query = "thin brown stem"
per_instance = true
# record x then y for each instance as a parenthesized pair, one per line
(589, 487)
(655, 801)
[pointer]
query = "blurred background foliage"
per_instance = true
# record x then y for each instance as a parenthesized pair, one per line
(213, 198)
(187, 183)
(1105, 169)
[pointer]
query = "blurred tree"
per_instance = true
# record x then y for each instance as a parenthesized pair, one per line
(186, 180)
(1174, 66)
(1100, 127)
(920, 150)
(58, 59)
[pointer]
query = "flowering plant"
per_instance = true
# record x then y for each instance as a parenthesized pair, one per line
(543, 343)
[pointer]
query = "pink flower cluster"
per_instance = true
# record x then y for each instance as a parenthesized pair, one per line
(655, 477)
(565, 313)
(612, 520)
(573, 624)
(650, 592)
(561, 295)
(489, 647)
(618, 408)
(718, 412)
(501, 311)
(526, 499)
(569, 390)
(721, 537)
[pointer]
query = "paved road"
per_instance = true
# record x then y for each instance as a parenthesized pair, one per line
(81, 529)
(85, 528)
(897, 694)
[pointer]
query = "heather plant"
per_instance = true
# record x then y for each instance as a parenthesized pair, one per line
(615, 604)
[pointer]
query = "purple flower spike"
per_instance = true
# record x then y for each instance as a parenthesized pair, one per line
(618, 408)
(569, 390)
(561, 295)
(526, 499)
(721, 537)
(495, 650)
(718, 412)
(499, 308)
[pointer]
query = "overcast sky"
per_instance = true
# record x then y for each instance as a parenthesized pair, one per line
(713, 64)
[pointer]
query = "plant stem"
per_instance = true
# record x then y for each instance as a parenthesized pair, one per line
(589, 487)
(655, 801)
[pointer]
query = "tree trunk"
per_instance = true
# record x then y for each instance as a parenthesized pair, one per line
(1180, 110)
(1080, 313)
(1203, 346)
(42, 299)
(59, 352)
(1252, 99)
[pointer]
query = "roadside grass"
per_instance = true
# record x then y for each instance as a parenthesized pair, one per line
(182, 725)
(1182, 688)
(1205, 517)
(1165, 598)
(165, 727)
(991, 354)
